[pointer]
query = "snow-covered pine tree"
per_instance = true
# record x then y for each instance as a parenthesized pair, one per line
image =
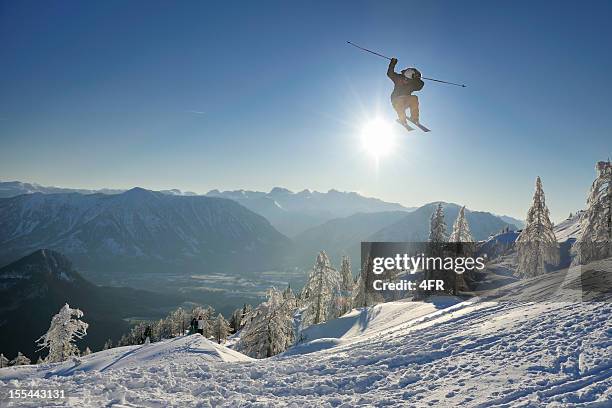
(437, 226)
(247, 312)
(86, 352)
(221, 329)
(179, 320)
(4, 362)
(347, 284)
(235, 320)
(20, 360)
(108, 344)
(40, 360)
(461, 229)
(364, 294)
(319, 297)
(537, 245)
(66, 327)
(461, 236)
(290, 296)
(596, 221)
(269, 330)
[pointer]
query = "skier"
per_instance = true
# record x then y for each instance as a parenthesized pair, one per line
(193, 326)
(405, 83)
(201, 325)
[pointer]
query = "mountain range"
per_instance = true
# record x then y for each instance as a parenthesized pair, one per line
(292, 213)
(127, 234)
(343, 236)
(140, 230)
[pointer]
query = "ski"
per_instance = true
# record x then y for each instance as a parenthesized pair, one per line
(405, 125)
(423, 128)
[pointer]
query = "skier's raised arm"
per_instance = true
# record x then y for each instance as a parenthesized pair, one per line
(391, 70)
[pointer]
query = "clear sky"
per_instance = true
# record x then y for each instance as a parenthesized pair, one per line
(202, 95)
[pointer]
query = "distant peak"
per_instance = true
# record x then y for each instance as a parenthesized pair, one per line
(47, 261)
(137, 191)
(280, 190)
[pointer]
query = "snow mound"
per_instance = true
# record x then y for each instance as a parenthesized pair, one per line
(187, 348)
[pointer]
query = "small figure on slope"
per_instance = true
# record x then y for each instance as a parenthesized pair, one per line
(407, 82)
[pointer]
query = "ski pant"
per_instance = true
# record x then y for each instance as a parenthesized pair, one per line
(403, 102)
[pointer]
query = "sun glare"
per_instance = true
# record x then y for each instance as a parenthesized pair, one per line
(377, 138)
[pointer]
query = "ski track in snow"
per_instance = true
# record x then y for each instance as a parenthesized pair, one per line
(472, 354)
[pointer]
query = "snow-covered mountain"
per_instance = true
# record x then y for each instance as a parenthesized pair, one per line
(15, 188)
(35, 287)
(292, 213)
(415, 225)
(444, 353)
(343, 236)
(139, 230)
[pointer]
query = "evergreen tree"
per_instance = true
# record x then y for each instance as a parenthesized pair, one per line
(4, 362)
(235, 320)
(364, 294)
(289, 296)
(347, 285)
(537, 244)
(269, 331)
(437, 229)
(108, 344)
(247, 314)
(20, 360)
(179, 321)
(86, 352)
(221, 329)
(321, 293)
(596, 221)
(66, 327)
(461, 229)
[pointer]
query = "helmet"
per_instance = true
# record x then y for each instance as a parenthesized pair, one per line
(411, 73)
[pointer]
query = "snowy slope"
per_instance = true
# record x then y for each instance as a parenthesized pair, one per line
(475, 353)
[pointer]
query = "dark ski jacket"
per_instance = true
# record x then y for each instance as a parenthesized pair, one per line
(403, 85)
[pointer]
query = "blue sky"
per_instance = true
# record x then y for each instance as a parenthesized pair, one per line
(109, 94)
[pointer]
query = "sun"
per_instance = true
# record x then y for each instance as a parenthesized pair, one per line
(377, 138)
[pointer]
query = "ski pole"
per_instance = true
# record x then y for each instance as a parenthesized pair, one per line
(384, 56)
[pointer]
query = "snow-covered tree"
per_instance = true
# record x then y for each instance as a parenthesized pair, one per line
(537, 245)
(4, 362)
(66, 327)
(20, 360)
(247, 312)
(87, 351)
(221, 329)
(364, 294)
(437, 226)
(461, 229)
(108, 344)
(596, 221)
(320, 295)
(290, 296)
(235, 320)
(179, 321)
(269, 331)
(347, 285)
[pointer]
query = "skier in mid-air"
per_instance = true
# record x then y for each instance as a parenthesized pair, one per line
(407, 82)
